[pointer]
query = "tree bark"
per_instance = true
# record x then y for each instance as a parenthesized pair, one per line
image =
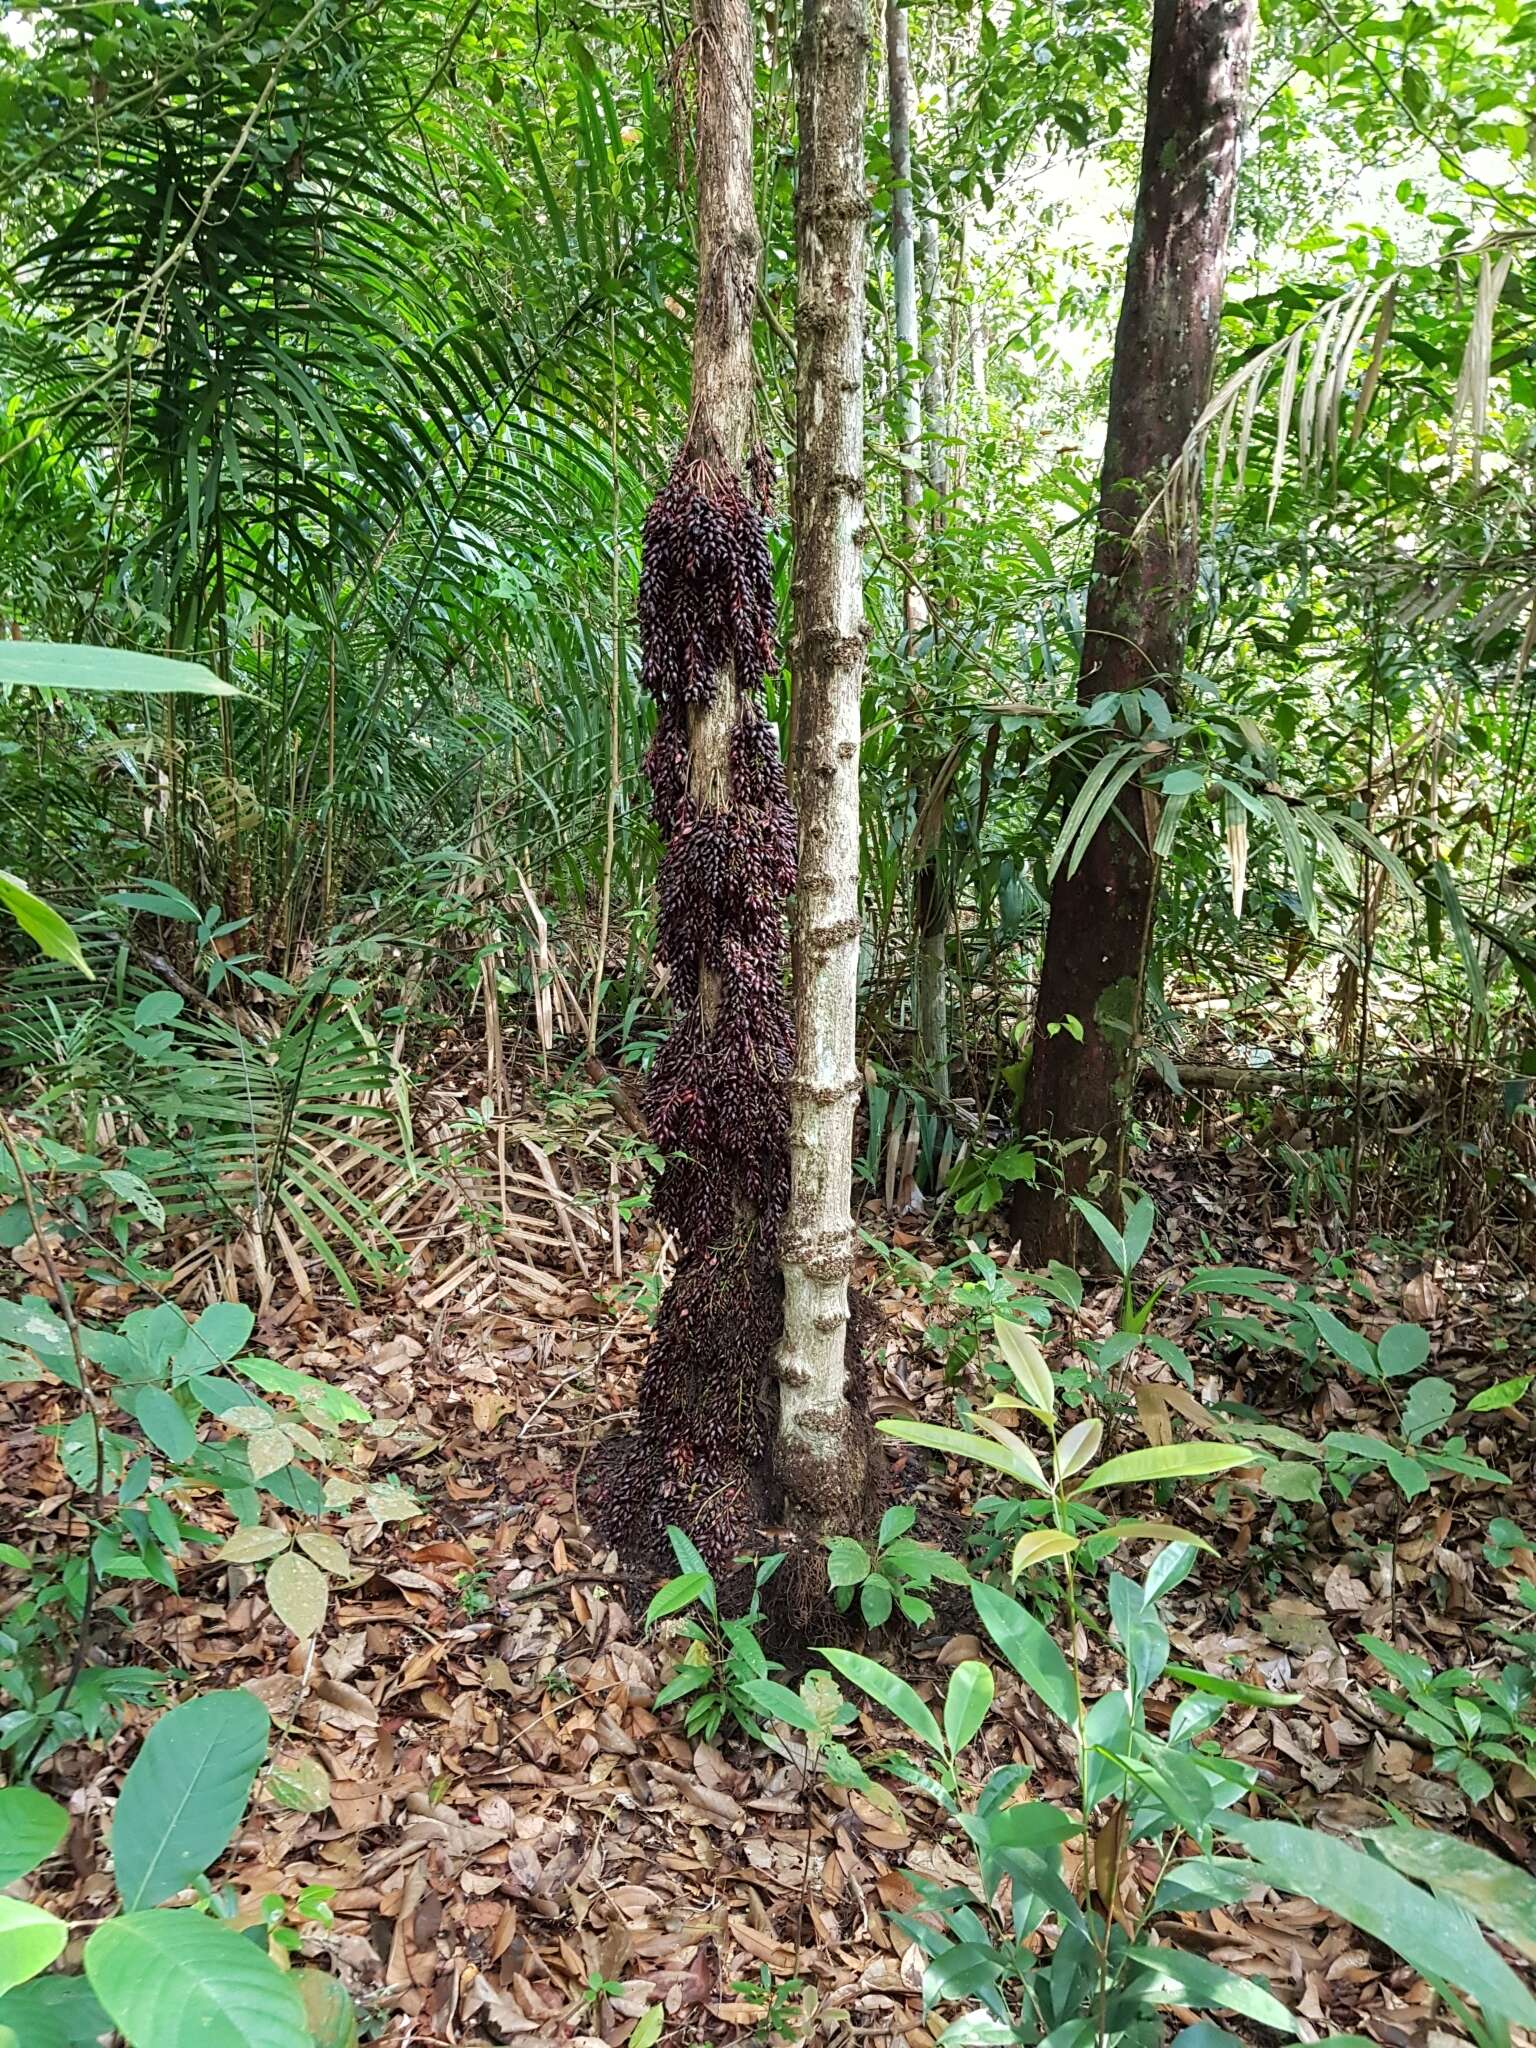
(823, 1438)
(898, 69)
(920, 405)
(720, 410)
(1077, 1091)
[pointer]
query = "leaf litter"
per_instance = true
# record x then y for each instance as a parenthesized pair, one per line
(520, 1849)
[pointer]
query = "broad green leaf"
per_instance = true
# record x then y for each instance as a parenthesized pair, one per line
(1171, 1976)
(1104, 1231)
(971, 1687)
(1139, 1219)
(674, 1596)
(60, 665)
(40, 921)
(1431, 1402)
(298, 1592)
(302, 1786)
(647, 2029)
(1166, 1461)
(1026, 1361)
(326, 1550)
(1029, 1648)
(1079, 1447)
(164, 1422)
(1344, 1342)
(253, 1545)
(1435, 1936)
(891, 1692)
(777, 1703)
(1507, 1394)
(1036, 1545)
(1500, 1893)
(31, 1827)
(54, 2012)
(1001, 1457)
(184, 1794)
(328, 2009)
(220, 1333)
(848, 1562)
(30, 1940)
(181, 1980)
(269, 1450)
(1401, 1348)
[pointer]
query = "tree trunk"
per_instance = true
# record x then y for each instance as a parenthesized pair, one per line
(720, 411)
(923, 462)
(898, 67)
(701, 1452)
(823, 1439)
(1077, 1090)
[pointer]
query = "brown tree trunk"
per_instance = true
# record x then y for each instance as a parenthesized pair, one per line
(909, 403)
(824, 1443)
(700, 1455)
(1077, 1089)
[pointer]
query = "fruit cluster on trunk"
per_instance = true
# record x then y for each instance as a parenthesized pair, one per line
(717, 1104)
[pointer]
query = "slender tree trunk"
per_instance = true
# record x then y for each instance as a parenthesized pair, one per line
(1077, 1090)
(823, 1440)
(700, 1455)
(931, 894)
(898, 66)
(923, 462)
(720, 423)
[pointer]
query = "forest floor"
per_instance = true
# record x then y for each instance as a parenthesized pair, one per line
(507, 1824)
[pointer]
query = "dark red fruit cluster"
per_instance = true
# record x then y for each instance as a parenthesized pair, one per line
(718, 1100)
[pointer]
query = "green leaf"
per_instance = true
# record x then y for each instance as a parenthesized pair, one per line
(647, 2029)
(875, 1602)
(1166, 1461)
(1344, 1342)
(971, 1687)
(184, 1794)
(298, 1592)
(1435, 1936)
(1430, 1403)
(675, 1595)
(848, 1562)
(181, 1980)
(1104, 1231)
(985, 1450)
(1230, 1688)
(1029, 1648)
(31, 1827)
(220, 1334)
(891, 1692)
(59, 665)
(1026, 1361)
(1500, 1893)
(40, 921)
(1402, 1348)
(163, 1421)
(1507, 1394)
(54, 2012)
(328, 2009)
(1142, 1530)
(1170, 1976)
(777, 1703)
(30, 1940)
